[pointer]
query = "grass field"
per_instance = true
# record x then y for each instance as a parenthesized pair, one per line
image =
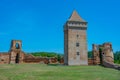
(52, 72)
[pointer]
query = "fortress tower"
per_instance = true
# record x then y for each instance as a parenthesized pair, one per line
(75, 41)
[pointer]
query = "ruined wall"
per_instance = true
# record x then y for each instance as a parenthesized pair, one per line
(108, 52)
(53, 60)
(4, 58)
(100, 50)
(28, 58)
(61, 61)
(90, 61)
(96, 55)
(16, 53)
(45, 60)
(17, 56)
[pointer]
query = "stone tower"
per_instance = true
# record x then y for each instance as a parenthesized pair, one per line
(16, 54)
(75, 41)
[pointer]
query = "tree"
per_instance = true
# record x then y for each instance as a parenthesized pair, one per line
(90, 54)
(117, 57)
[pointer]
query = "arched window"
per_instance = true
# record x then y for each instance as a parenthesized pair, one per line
(17, 46)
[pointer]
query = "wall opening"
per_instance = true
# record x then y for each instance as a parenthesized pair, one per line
(100, 55)
(17, 46)
(17, 58)
(77, 44)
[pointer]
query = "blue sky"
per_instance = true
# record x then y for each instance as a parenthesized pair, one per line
(39, 23)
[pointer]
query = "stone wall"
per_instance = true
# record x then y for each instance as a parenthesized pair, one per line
(90, 61)
(108, 64)
(17, 56)
(32, 59)
(75, 41)
(66, 47)
(104, 49)
(4, 58)
(77, 54)
(28, 58)
(61, 61)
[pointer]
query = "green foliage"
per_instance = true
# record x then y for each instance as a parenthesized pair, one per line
(90, 55)
(59, 57)
(48, 54)
(117, 57)
(45, 54)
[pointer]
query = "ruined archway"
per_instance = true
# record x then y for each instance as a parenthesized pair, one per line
(17, 58)
(17, 46)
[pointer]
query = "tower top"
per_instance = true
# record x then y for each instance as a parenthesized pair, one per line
(76, 17)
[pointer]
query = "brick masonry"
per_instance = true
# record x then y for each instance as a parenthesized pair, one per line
(100, 50)
(17, 56)
(75, 41)
(75, 48)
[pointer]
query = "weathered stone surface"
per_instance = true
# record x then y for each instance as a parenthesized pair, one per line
(4, 58)
(75, 41)
(100, 50)
(90, 61)
(16, 55)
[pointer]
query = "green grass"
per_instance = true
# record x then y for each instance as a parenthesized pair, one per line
(55, 72)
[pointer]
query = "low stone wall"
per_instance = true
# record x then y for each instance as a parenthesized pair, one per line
(61, 61)
(32, 59)
(28, 58)
(4, 58)
(36, 60)
(53, 60)
(90, 61)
